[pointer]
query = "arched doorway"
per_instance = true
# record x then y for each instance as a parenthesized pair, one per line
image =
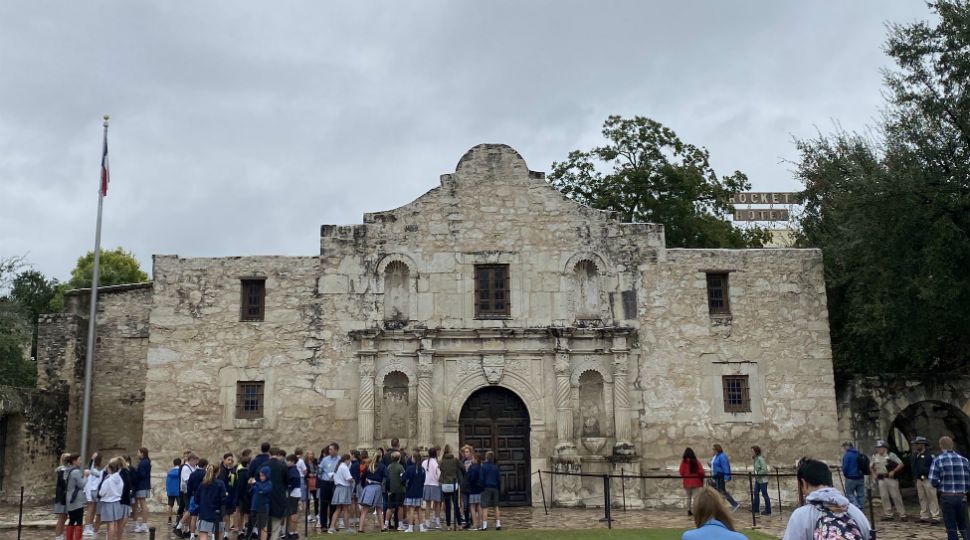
(931, 419)
(495, 419)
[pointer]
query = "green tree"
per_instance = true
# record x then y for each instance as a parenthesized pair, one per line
(655, 177)
(16, 369)
(32, 292)
(891, 212)
(116, 267)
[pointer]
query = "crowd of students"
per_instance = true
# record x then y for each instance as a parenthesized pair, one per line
(113, 496)
(268, 491)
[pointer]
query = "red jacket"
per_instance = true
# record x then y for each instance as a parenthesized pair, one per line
(692, 479)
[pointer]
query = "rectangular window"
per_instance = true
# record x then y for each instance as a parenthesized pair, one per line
(736, 398)
(717, 294)
(253, 299)
(492, 290)
(249, 399)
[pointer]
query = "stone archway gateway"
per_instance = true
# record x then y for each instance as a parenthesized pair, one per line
(495, 419)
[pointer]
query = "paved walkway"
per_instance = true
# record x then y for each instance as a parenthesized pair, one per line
(39, 524)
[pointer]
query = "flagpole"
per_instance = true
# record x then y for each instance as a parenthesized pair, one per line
(92, 323)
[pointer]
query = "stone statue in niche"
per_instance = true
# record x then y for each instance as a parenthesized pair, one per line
(396, 292)
(591, 404)
(395, 407)
(587, 290)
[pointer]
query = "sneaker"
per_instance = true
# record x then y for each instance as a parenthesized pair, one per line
(887, 518)
(766, 513)
(331, 530)
(422, 528)
(292, 536)
(402, 527)
(483, 528)
(340, 524)
(498, 527)
(88, 530)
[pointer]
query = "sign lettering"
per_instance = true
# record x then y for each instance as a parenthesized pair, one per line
(758, 197)
(761, 214)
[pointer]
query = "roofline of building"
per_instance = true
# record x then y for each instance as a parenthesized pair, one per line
(112, 288)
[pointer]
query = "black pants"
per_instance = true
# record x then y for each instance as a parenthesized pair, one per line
(451, 499)
(316, 502)
(75, 517)
(326, 510)
(467, 506)
(183, 499)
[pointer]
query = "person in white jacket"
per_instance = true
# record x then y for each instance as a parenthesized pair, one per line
(432, 489)
(815, 481)
(92, 519)
(112, 512)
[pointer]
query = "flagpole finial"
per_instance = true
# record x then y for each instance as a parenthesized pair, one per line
(106, 118)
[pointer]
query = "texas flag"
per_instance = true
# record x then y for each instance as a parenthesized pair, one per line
(105, 176)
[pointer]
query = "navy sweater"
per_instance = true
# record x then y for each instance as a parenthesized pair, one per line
(194, 481)
(144, 475)
(491, 476)
(414, 480)
(292, 479)
(474, 479)
(211, 498)
(377, 476)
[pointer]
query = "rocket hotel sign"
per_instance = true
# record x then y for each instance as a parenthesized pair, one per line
(763, 214)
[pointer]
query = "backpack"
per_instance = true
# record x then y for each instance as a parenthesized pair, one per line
(863, 463)
(60, 492)
(835, 526)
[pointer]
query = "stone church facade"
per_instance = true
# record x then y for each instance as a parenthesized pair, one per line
(491, 310)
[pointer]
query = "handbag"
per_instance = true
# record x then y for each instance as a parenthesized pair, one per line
(311, 482)
(449, 488)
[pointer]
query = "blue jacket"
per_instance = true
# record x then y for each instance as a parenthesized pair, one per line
(292, 479)
(377, 476)
(172, 482)
(414, 480)
(850, 464)
(211, 499)
(721, 466)
(474, 479)
(491, 476)
(262, 491)
(712, 530)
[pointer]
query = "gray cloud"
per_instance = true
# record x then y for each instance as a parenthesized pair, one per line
(238, 128)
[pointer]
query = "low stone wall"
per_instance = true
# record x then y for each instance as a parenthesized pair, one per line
(34, 441)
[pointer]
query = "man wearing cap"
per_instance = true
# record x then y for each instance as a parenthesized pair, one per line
(885, 467)
(950, 475)
(929, 508)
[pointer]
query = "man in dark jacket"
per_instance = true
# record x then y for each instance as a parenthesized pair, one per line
(259, 460)
(277, 476)
(855, 476)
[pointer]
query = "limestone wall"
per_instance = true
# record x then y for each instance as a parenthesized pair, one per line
(777, 334)
(35, 427)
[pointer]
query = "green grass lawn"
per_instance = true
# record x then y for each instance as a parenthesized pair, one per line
(541, 534)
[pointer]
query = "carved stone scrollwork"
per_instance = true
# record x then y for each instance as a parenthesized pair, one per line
(365, 402)
(425, 397)
(564, 413)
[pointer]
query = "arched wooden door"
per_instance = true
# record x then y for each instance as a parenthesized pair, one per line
(495, 419)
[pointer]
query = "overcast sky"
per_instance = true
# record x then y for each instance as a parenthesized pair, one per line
(238, 128)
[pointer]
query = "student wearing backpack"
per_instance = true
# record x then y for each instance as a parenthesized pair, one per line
(855, 467)
(74, 499)
(172, 486)
(60, 494)
(827, 514)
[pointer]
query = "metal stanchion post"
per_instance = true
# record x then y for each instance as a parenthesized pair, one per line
(778, 478)
(151, 533)
(754, 520)
(306, 515)
(623, 488)
(543, 491)
(20, 516)
(872, 512)
(606, 499)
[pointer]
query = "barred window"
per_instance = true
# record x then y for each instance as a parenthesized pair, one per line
(717, 294)
(736, 397)
(249, 399)
(492, 290)
(253, 300)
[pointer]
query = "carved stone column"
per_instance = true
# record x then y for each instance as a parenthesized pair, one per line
(564, 412)
(621, 396)
(425, 397)
(365, 400)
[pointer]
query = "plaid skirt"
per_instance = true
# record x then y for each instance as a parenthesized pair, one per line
(413, 501)
(372, 496)
(342, 495)
(432, 493)
(114, 511)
